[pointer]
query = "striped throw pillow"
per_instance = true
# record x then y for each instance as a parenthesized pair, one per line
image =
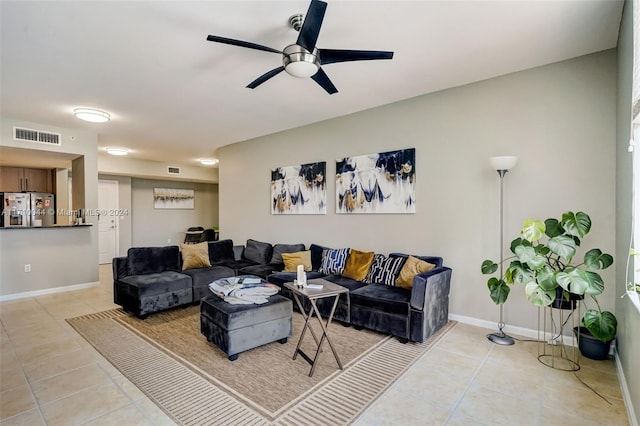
(384, 270)
(334, 261)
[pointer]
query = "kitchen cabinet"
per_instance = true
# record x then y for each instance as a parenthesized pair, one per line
(18, 179)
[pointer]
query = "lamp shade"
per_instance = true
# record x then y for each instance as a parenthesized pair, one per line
(504, 162)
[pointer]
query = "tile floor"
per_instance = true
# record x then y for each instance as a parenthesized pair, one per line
(50, 375)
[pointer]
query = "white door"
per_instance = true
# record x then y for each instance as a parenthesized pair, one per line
(108, 220)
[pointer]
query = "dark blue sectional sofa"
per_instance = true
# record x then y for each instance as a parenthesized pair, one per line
(150, 279)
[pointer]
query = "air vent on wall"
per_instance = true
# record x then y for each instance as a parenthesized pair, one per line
(30, 135)
(173, 170)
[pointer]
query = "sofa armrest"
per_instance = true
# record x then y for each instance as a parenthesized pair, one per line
(433, 284)
(120, 267)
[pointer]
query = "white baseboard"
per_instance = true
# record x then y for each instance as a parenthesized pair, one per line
(35, 293)
(521, 331)
(628, 403)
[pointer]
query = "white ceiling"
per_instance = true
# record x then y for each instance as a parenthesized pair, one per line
(174, 96)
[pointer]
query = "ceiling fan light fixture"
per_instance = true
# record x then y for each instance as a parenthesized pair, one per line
(92, 115)
(298, 62)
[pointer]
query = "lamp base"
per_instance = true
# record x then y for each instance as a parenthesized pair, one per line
(501, 338)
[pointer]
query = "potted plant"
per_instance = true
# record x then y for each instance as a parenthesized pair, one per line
(543, 261)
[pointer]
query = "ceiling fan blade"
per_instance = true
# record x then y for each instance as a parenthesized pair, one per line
(330, 56)
(241, 43)
(264, 77)
(311, 25)
(323, 80)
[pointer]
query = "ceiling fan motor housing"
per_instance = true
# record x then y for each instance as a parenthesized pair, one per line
(299, 62)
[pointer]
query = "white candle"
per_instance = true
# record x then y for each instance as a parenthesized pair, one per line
(300, 274)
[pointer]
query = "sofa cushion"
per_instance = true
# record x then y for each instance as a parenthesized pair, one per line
(261, 270)
(157, 283)
(257, 251)
(279, 278)
(334, 261)
(412, 267)
(316, 256)
(358, 264)
(393, 300)
(279, 249)
(219, 251)
(151, 260)
(292, 260)
(436, 260)
(195, 255)
(384, 270)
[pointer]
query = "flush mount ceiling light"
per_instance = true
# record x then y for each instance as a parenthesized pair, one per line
(208, 161)
(117, 151)
(92, 115)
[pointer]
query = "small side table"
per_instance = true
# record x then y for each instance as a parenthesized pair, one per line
(328, 289)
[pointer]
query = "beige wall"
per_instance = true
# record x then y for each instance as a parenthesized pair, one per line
(628, 339)
(558, 119)
(58, 257)
(160, 227)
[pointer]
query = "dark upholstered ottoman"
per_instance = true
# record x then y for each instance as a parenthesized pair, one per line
(237, 328)
(146, 294)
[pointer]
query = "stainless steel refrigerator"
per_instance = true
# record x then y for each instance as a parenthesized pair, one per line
(42, 211)
(15, 209)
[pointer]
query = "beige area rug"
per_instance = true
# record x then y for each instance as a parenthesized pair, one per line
(194, 383)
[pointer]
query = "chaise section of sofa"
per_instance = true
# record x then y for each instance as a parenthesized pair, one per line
(148, 280)
(151, 279)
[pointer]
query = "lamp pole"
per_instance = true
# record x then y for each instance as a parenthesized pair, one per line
(502, 166)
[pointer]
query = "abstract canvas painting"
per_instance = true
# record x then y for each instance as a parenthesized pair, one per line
(299, 189)
(377, 183)
(170, 198)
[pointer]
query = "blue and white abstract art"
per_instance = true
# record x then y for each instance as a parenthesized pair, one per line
(299, 189)
(377, 183)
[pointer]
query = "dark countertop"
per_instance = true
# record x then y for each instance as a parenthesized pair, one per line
(84, 225)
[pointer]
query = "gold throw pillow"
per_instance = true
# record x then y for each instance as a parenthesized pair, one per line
(358, 264)
(195, 255)
(292, 260)
(412, 267)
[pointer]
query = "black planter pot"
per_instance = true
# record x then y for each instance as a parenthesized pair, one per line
(562, 303)
(591, 347)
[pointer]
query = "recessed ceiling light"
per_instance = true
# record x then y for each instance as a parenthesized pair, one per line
(208, 161)
(92, 115)
(117, 151)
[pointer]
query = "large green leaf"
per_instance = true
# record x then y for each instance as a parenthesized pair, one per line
(519, 273)
(537, 295)
(546, 278)
(602, 325)
(563, 246)
(595, 259)
(519, 242)
(577, 224)
(553, 228)
(489, 267)
(499, 290)
(533, 230)
(529, 256)
(580, 282)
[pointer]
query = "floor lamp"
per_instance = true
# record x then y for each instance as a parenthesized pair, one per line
(502, 165)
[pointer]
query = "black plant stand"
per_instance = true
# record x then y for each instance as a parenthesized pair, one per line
(552, 349)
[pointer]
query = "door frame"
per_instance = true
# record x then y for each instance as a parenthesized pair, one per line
(117, 218)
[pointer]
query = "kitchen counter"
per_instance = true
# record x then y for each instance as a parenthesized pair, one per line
(84, 225)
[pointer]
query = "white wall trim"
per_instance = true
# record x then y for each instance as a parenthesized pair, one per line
(46, 291)
(493, 326)
(628, 402)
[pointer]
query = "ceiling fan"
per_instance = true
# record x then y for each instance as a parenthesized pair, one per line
(303, 59)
